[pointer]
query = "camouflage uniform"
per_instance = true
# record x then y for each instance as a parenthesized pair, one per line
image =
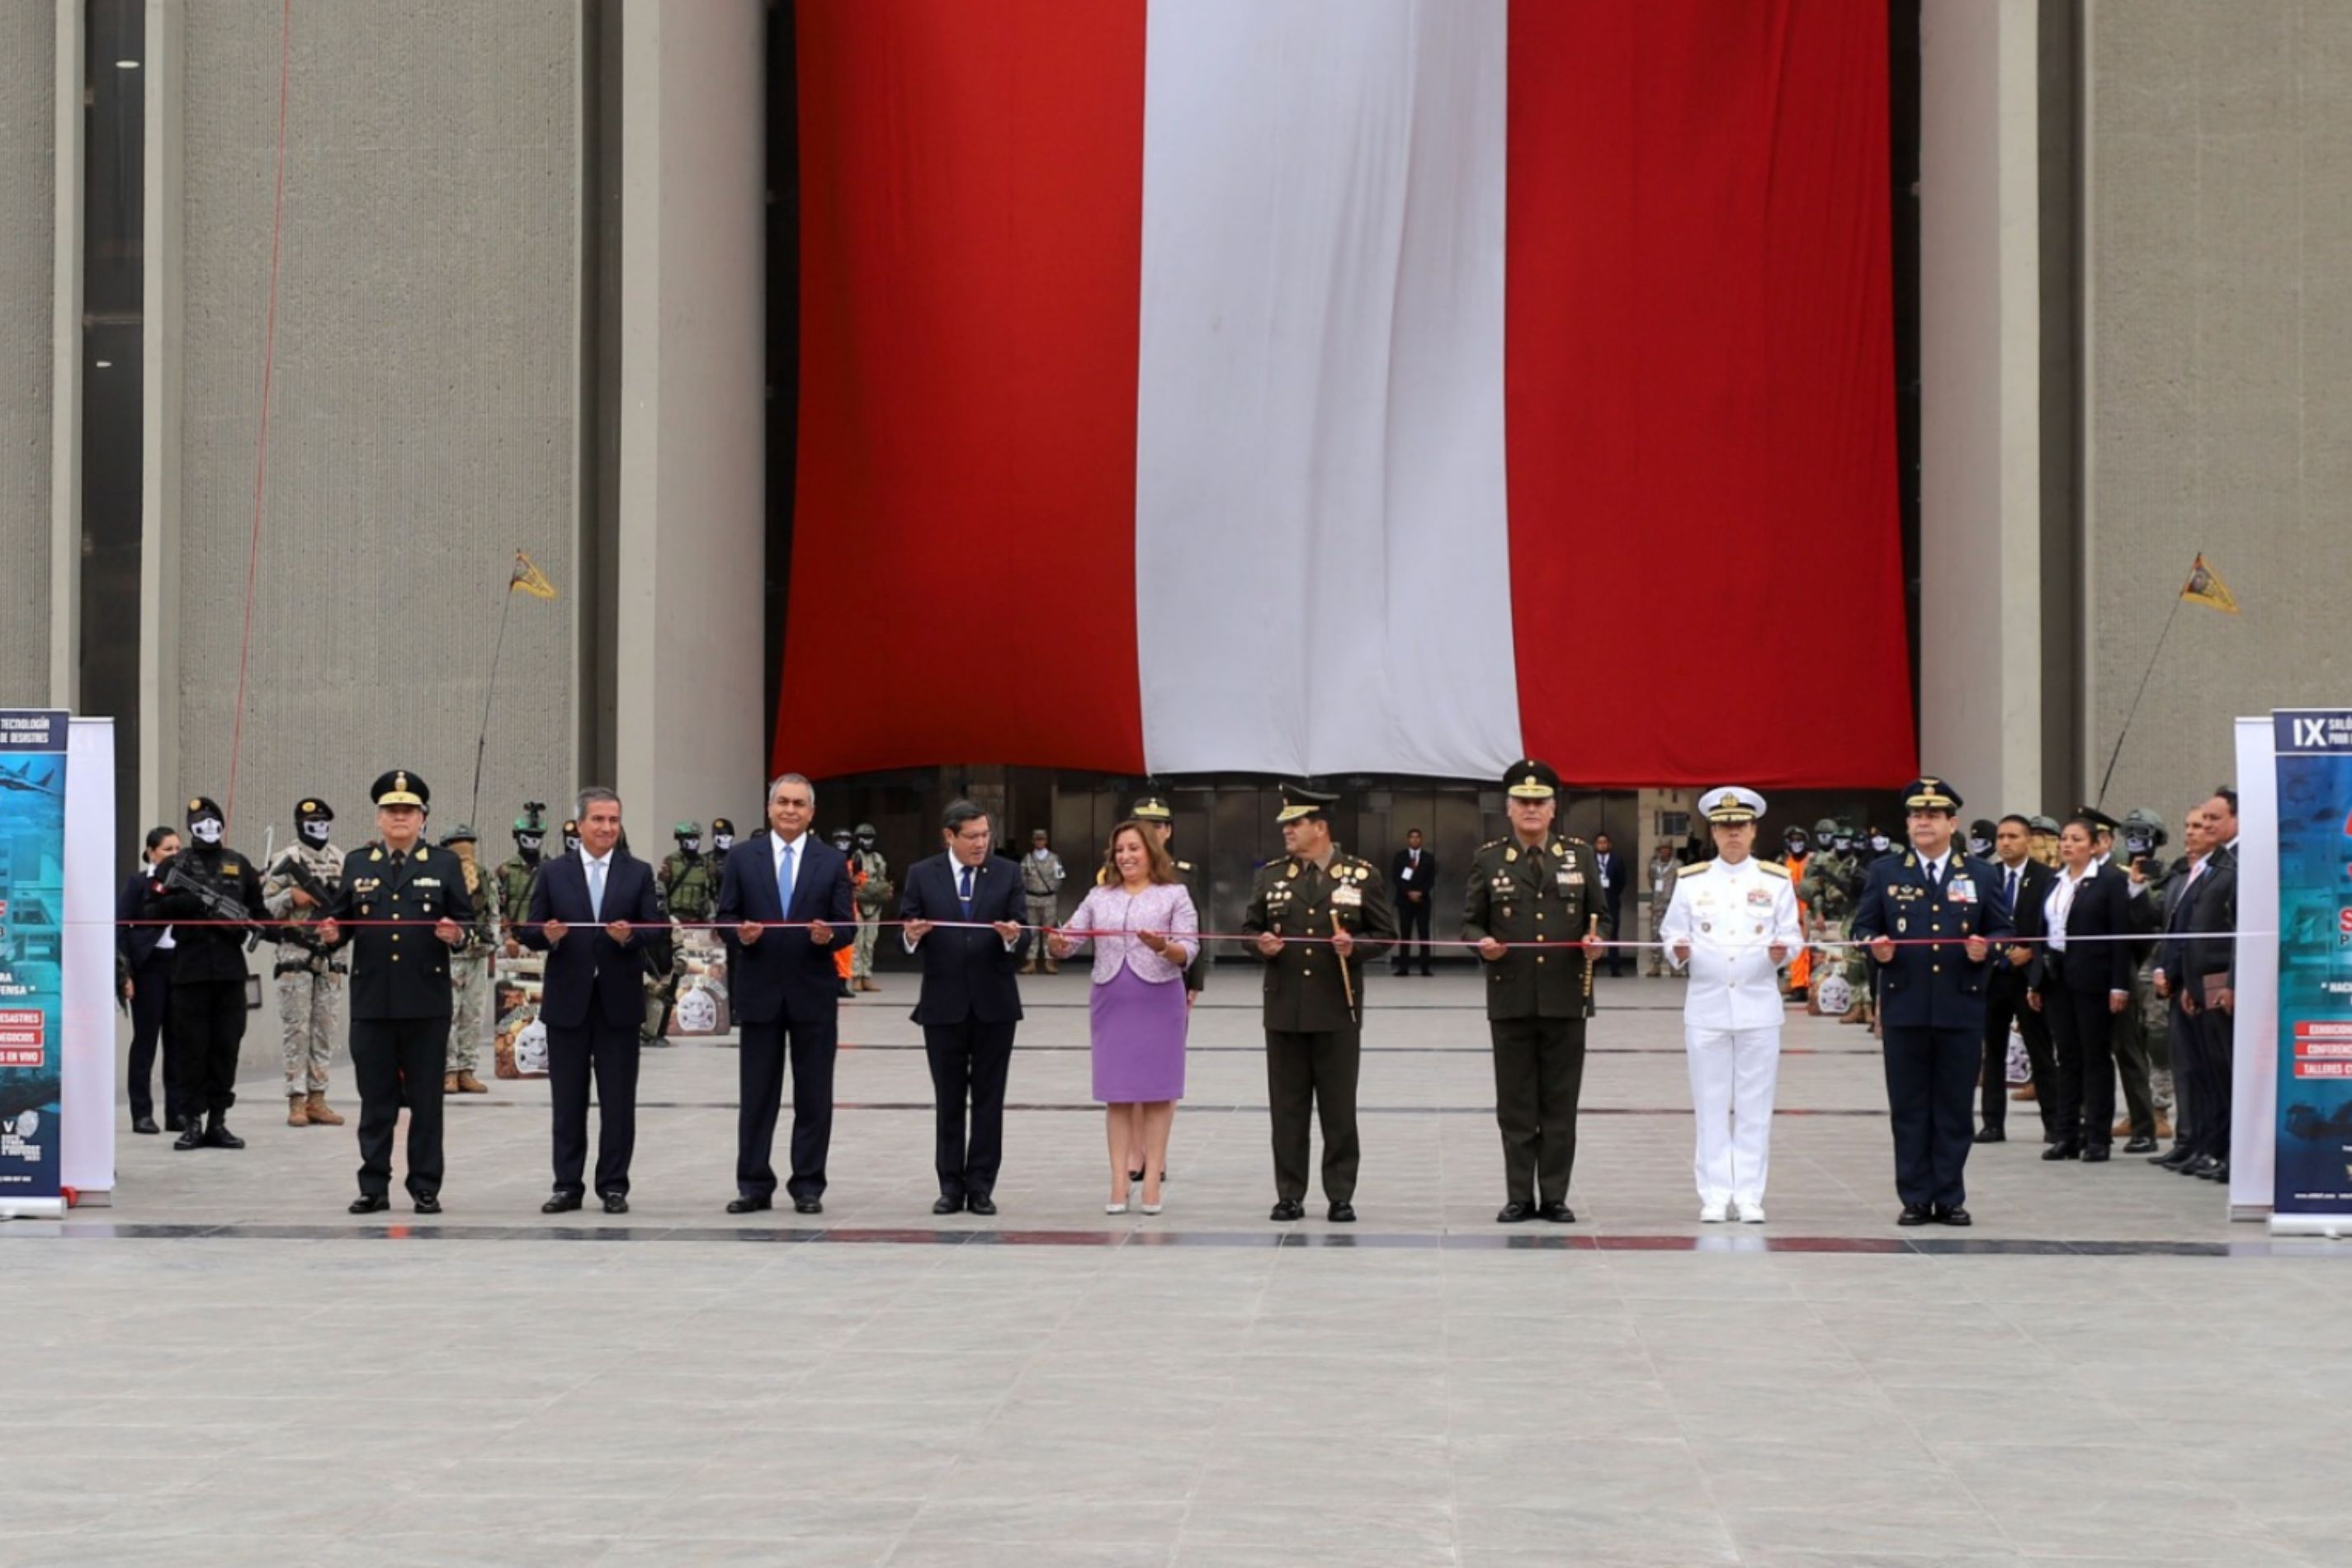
(873, 897)
(309, 984)
(688, 889)
(470, 975)
(1041, 888)
(1832, 879)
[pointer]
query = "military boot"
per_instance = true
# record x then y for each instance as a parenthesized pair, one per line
(469, 1084)
(449, 1084)
(322, 1114)
(218, 1136)
(191, 1135)
(297, 1111)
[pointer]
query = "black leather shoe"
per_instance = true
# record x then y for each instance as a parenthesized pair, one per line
(370, 1203)
(1287, 1209)
(2069, 1149)
(2172, 1159)
(2098, 1155)
(2140, 1144)
(616, 1203)
(218, 1136)
(175, 1122)
(144, 1124)
(808, 1205)
(562, 1202)
(1992, 1135)
(2207, 1168)
(1558, 1213)
(192, 1136)
(1519, 1211)
(1341, 1212)
(945, 1205)
(749, 1205)
(1954, 1215)
(1428, 975)
(428, 1203)
(981, 1204)
(1913, 1214)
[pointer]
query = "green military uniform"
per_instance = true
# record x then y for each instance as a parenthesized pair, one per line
(512, 883)
(470, 972)
(1537, 999)
(2137, 1065)
(872, 894)
(687, 888)
(1314, 1003)
(1153, 811)
(1831, 882)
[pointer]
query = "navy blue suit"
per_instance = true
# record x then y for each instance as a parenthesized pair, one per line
(1931, 1011)
(786, 994)
(970, 1004)
(2005, 1001)
(2202, 1032)
(591, 999)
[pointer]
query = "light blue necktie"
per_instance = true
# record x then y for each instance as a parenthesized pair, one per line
(785, 882)
(597, 888)
(964, 892)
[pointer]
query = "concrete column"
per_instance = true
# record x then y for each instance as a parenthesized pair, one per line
(66, 373)
(1980, 547)
(159, 502)
(690, 686)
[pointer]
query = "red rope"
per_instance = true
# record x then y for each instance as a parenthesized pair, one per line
(269, 362)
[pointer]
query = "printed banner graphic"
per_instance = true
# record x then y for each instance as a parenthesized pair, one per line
(2313, 1171)
(32, 948)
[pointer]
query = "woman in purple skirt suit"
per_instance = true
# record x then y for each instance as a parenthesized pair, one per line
(1145, 932)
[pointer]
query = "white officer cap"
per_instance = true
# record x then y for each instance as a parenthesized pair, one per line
(1731, 804)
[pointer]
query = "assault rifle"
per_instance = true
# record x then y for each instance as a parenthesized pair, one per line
(218, 904)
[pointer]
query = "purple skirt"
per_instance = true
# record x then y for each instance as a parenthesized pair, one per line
(1139, 1039)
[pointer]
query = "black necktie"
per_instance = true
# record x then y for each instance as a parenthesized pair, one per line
(1934, 875)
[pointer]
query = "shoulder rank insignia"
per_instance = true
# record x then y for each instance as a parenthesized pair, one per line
(375, 853)
(1772, 868)
(1292, 872)
(1510, 855)
(1693, 868)
(1490, 844)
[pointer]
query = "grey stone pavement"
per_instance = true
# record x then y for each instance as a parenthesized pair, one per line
(226, 1367)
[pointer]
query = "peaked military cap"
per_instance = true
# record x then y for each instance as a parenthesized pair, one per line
(400, 787)
(2097, 818)
(1151, 808)
(1732, 804)
(1926, 794)
(1528, 779)
(1299, 802)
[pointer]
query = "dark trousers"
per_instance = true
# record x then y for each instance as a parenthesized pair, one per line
(2128, 1045)
(1618, 956)
(2083, 1031)
(1412, 917)
(2004, 1001)
(1313, 1074)
(760, 1072)
(1931, 1080)
(610, 1052)
(151, 1022)
(208, 1018)
(1539, 1078)
(2205, 1039)
(970, 1062)
(398, 1062)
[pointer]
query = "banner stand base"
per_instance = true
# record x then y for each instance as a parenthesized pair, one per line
(32, 1208)
(2333, 1226)
(2247, 1213)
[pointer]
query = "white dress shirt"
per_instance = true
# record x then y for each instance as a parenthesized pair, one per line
(1732, 916)
(2060, 903)
(800, 847)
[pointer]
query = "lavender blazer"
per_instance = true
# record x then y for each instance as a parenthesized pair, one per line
(1163, 907)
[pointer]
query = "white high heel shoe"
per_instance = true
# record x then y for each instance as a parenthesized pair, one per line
(1114, 1208)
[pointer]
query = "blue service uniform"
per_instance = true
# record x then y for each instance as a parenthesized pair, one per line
(1931, 1011)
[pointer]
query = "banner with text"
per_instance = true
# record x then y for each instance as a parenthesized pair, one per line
(2314, 1172)
(32, 949)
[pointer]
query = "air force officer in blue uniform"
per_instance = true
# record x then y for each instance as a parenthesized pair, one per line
(1931, 916)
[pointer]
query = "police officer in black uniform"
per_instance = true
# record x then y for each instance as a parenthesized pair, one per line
(1537, 886)
(1153, 813)
(1315, 994)
(1931, 995)
(408, 906)
(208, 972)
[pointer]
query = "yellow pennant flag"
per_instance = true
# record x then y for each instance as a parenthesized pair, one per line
(532, 580)
(2205, 587)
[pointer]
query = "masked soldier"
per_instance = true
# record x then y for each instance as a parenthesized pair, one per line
(873, 896)
(1828, 888)
(1338, 904)
(1041, 888)
(512, 883)
(208, 886)
(687, 888)
(571, 836)
(2150, 877)
(470, 971)
(299, 883)
(1153, 813)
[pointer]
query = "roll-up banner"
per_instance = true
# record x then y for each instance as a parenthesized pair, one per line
(2313, 1170)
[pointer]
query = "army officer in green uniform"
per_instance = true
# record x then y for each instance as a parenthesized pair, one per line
(1537, 886)
(1337, 906)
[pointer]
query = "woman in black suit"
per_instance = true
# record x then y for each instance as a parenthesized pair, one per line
(147, 962)
(2080, 984)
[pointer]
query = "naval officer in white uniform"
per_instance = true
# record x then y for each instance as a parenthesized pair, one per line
(1733, 922)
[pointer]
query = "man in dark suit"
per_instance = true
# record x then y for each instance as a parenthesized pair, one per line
(1413, 875)
(1614, 875)
(2024, 886)
(2193, 973)
(1945, 910)
(786, 992)
(593, 997)
(971, 1002)
(401, 1004)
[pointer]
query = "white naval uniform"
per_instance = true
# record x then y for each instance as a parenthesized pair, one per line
(1732, 916)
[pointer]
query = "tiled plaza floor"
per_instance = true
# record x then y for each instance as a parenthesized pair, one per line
(226, 1367)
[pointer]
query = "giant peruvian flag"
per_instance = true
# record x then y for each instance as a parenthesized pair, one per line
(1321, 386)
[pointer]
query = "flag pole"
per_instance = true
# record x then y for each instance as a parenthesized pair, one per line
(482, 741)
(2111, 756)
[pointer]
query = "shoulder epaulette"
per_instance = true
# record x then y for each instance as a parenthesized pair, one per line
(1490, 844)
(1693, 868)
(1773, 867)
